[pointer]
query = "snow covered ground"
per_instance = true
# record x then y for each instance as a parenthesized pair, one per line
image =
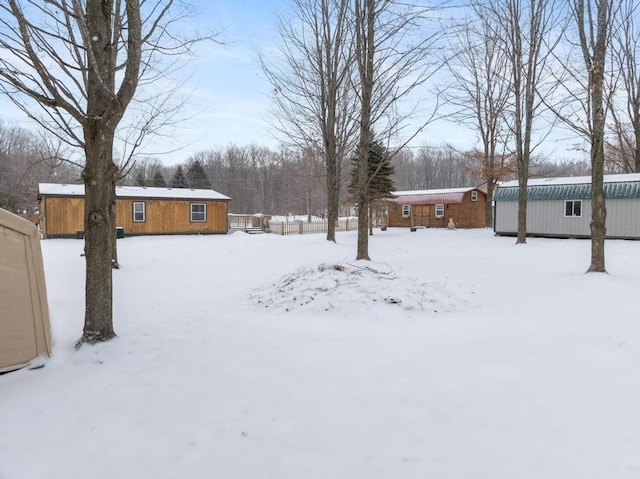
(452, 354)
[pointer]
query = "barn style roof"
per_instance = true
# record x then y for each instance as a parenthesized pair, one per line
(55, 189)
(431, 197)
(625, 186)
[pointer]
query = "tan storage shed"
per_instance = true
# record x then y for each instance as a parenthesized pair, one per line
(24, 313)
(140, 210)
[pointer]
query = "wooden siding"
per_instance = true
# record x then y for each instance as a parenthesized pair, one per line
(61, 216)
(467, 214)
(546, 218)
(64, 216)
(171, 217)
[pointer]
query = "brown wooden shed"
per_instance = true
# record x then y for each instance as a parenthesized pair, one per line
(467, 207)
(139, 210)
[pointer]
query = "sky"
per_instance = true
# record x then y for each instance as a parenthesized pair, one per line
(228, 95)
(452, 354)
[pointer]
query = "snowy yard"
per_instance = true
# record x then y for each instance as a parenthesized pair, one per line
(451, 355)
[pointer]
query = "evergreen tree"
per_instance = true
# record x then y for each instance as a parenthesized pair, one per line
(179, 179)
(158, 180)
(379, 182)
(197, 177)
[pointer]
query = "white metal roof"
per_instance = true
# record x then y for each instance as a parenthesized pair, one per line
(574, 180)
(55, 189)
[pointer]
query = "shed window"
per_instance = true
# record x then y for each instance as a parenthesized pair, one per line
(406, 211)
(198, 212)
(439, 210)
(474, 196)
(573, 208)
(139, 212)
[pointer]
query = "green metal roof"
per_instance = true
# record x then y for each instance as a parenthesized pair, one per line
(613, 191)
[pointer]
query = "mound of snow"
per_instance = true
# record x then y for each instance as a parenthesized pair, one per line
(356, 288)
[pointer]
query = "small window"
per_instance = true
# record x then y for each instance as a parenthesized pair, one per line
(406, 211)
(439, 211)
(573, 208)
(474, 195)
(139, 212)
(198, 212)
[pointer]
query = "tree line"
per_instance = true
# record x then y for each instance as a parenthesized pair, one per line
(258, 179)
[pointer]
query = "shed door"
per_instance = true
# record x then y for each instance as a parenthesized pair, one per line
(421, 215)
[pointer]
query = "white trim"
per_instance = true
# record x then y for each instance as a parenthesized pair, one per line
(204, 212)
(406, 211)
(573, 208)
(144, 212)
(439, 206)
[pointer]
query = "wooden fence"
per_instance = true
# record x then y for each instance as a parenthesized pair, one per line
(316, 226)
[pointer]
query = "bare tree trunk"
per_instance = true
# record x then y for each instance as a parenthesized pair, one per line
(594, 42)
(598, 209)
(491, 184)
(365, 12)
(99, 177)
(598, 213)
(333, 191)
(522, 208)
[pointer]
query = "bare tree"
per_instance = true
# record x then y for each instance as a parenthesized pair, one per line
(528, 32)
(18, 153)
(626, 115)
(311, 79)
(479, 94)
(81, 61)
(26, 160)
(593, 22)
(395, 54)
(434, 167)
(585, 99)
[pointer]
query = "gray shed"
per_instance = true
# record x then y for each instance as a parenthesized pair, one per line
(561, 207)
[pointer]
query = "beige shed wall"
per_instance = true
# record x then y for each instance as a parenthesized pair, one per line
(24, 314)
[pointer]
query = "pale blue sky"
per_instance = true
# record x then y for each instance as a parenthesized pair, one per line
(229, 98)
(230, 80)
(231, 95)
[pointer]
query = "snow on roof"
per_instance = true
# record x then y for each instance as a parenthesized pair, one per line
(574, 180)
(55, 189)
(433, 192)
(431, 197)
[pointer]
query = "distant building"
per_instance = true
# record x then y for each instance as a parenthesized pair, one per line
(466, 207)
(561, 207)
(139, 210)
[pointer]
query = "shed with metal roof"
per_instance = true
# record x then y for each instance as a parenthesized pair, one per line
(561, 207)
(139, 210)
(466, 207)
